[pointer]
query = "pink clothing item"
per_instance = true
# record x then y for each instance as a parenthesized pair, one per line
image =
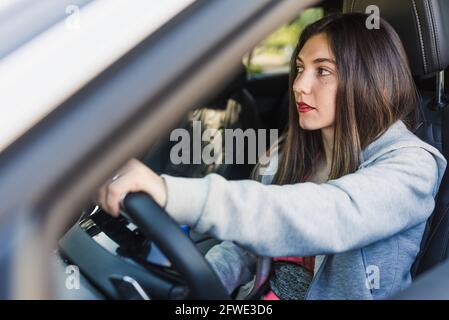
(298, 260)
(271, 296)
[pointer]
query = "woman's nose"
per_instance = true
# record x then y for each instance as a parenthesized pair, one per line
(302, 84)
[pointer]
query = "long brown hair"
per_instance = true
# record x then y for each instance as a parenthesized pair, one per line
(375, 89)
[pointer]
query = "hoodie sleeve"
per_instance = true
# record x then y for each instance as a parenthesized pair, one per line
(392, 194)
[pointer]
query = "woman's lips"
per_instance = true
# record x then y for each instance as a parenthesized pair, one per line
(303, 107)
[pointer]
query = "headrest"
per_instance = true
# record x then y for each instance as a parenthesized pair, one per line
(422, 25)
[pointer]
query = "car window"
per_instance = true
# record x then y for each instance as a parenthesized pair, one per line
(273, 54)
(233, 110)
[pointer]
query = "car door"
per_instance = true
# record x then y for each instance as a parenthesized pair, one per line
(51, 167)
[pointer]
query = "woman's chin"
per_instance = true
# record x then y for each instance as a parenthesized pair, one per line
(305, 125)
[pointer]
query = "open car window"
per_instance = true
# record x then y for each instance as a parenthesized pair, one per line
(273, 54)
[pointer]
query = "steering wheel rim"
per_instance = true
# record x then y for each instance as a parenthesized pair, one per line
(156, 224)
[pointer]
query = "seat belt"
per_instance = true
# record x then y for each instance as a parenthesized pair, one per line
(263, 272)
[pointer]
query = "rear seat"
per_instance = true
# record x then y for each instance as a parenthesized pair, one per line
(235, 108)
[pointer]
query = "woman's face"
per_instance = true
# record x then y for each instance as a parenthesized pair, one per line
(315, 86)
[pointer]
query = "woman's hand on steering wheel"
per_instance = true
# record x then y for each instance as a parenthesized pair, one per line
(134, 176)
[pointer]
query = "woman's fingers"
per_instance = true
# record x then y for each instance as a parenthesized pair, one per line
(134, 176)
(114, 192)
(128, 166)
(101, 195)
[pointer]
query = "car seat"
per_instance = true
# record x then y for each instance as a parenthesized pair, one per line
(424, 30)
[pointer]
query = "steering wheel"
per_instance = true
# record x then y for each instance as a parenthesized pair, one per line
(159, 227)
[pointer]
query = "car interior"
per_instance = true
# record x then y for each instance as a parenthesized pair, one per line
(261, 102)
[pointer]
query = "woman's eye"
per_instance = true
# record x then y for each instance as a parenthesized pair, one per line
(323, 72)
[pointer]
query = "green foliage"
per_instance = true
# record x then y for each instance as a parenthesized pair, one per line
(284, 39)
(288, 34)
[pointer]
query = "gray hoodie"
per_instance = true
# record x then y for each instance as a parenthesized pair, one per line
(368, 225)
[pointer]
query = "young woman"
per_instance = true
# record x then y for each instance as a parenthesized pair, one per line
(353, 186)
